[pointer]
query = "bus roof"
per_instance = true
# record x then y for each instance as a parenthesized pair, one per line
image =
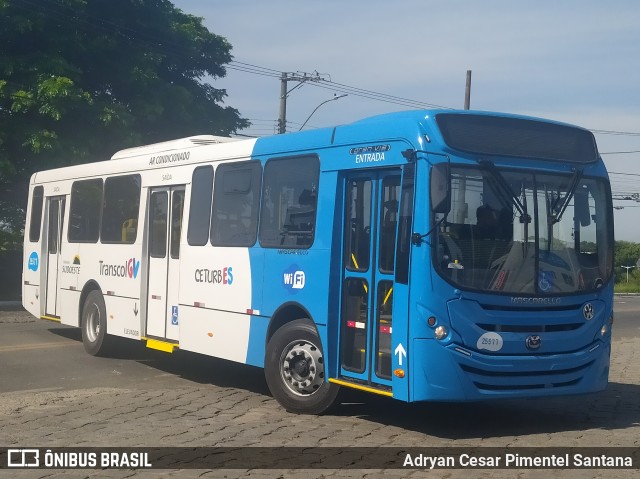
(417, 127)
(172, 145)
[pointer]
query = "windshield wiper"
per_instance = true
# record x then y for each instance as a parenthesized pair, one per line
(504, 191)
(417, 238)
(573, 186)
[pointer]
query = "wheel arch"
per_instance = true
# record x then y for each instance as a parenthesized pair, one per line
(89, 286)
(286, 313)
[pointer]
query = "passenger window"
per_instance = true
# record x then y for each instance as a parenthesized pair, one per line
(120, 209)
(236, 200)
(289, 202)
(200, 207)
(388, 222)
(177, 205)
(84, 214)
(158, 225)
(37, 199)
(358, 226)
(54, 231)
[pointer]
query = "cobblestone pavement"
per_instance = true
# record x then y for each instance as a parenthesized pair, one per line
(189, 400)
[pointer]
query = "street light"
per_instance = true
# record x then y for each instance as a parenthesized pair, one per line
(627, 268)
(326, 101)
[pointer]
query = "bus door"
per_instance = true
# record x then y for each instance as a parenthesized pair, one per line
(371, 212)
(165, 225)
(55, 216)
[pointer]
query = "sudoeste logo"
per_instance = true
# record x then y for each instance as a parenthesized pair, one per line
(33, 261)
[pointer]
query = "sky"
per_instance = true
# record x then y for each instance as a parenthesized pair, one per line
(567, 60)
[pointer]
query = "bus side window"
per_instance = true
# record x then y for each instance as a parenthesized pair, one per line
(84, 214)
(358, 226)
(35, 225)
(158, 224)
(200, 206)
(388, 222)
(120, 209)
(177, 207)
(236, 201)
(289, 202)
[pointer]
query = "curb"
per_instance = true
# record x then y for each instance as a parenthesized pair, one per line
(10, 305)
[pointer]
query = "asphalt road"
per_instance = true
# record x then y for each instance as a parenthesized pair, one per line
(626, 323)
(53, 394)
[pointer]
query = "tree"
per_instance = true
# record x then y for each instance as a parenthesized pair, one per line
(81, 79)
(627, 253)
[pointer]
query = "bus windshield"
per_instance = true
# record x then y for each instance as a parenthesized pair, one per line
(524, 232)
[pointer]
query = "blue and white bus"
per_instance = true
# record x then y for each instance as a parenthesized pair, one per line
(424, 256)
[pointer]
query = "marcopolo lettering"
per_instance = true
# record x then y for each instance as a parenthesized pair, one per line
(534, 301)
(369, 149)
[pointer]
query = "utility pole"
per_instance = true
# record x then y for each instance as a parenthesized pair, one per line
(627, 268)
(467, 92)
(301, 78)
(282, 117)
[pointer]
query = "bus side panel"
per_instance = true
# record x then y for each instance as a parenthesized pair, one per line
(123, 316)
(32, 262)
(257, 337)
(70, 268)
(259, 319)
(31, 269)
(215, 333)
(216, 301)
(69, 303)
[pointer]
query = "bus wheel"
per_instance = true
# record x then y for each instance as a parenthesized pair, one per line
(294, 369)
(94, 324)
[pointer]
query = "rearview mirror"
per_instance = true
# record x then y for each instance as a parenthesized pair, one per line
(441, 188)
(581, 208)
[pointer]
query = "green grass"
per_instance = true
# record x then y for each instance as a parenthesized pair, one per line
(630, 287)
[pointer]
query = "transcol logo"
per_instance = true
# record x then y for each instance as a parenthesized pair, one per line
(129, 269)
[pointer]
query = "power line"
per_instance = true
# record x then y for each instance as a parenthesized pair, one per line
(619, 152)
(250, 66)
(623, 174)
(250, 69)
(613, 132)
(244, 67)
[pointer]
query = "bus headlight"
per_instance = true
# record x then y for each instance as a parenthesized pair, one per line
(606, 327)
(440, 332)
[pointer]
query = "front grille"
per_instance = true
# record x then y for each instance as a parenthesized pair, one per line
(504, 381)
(530, 328)
(507, 374)
(524, 387)
(529, 308)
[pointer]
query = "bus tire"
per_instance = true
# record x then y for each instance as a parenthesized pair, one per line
(94, 324)
(295, 369)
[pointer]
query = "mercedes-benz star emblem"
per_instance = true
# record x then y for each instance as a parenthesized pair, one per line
(533, 342)
(587, 311)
